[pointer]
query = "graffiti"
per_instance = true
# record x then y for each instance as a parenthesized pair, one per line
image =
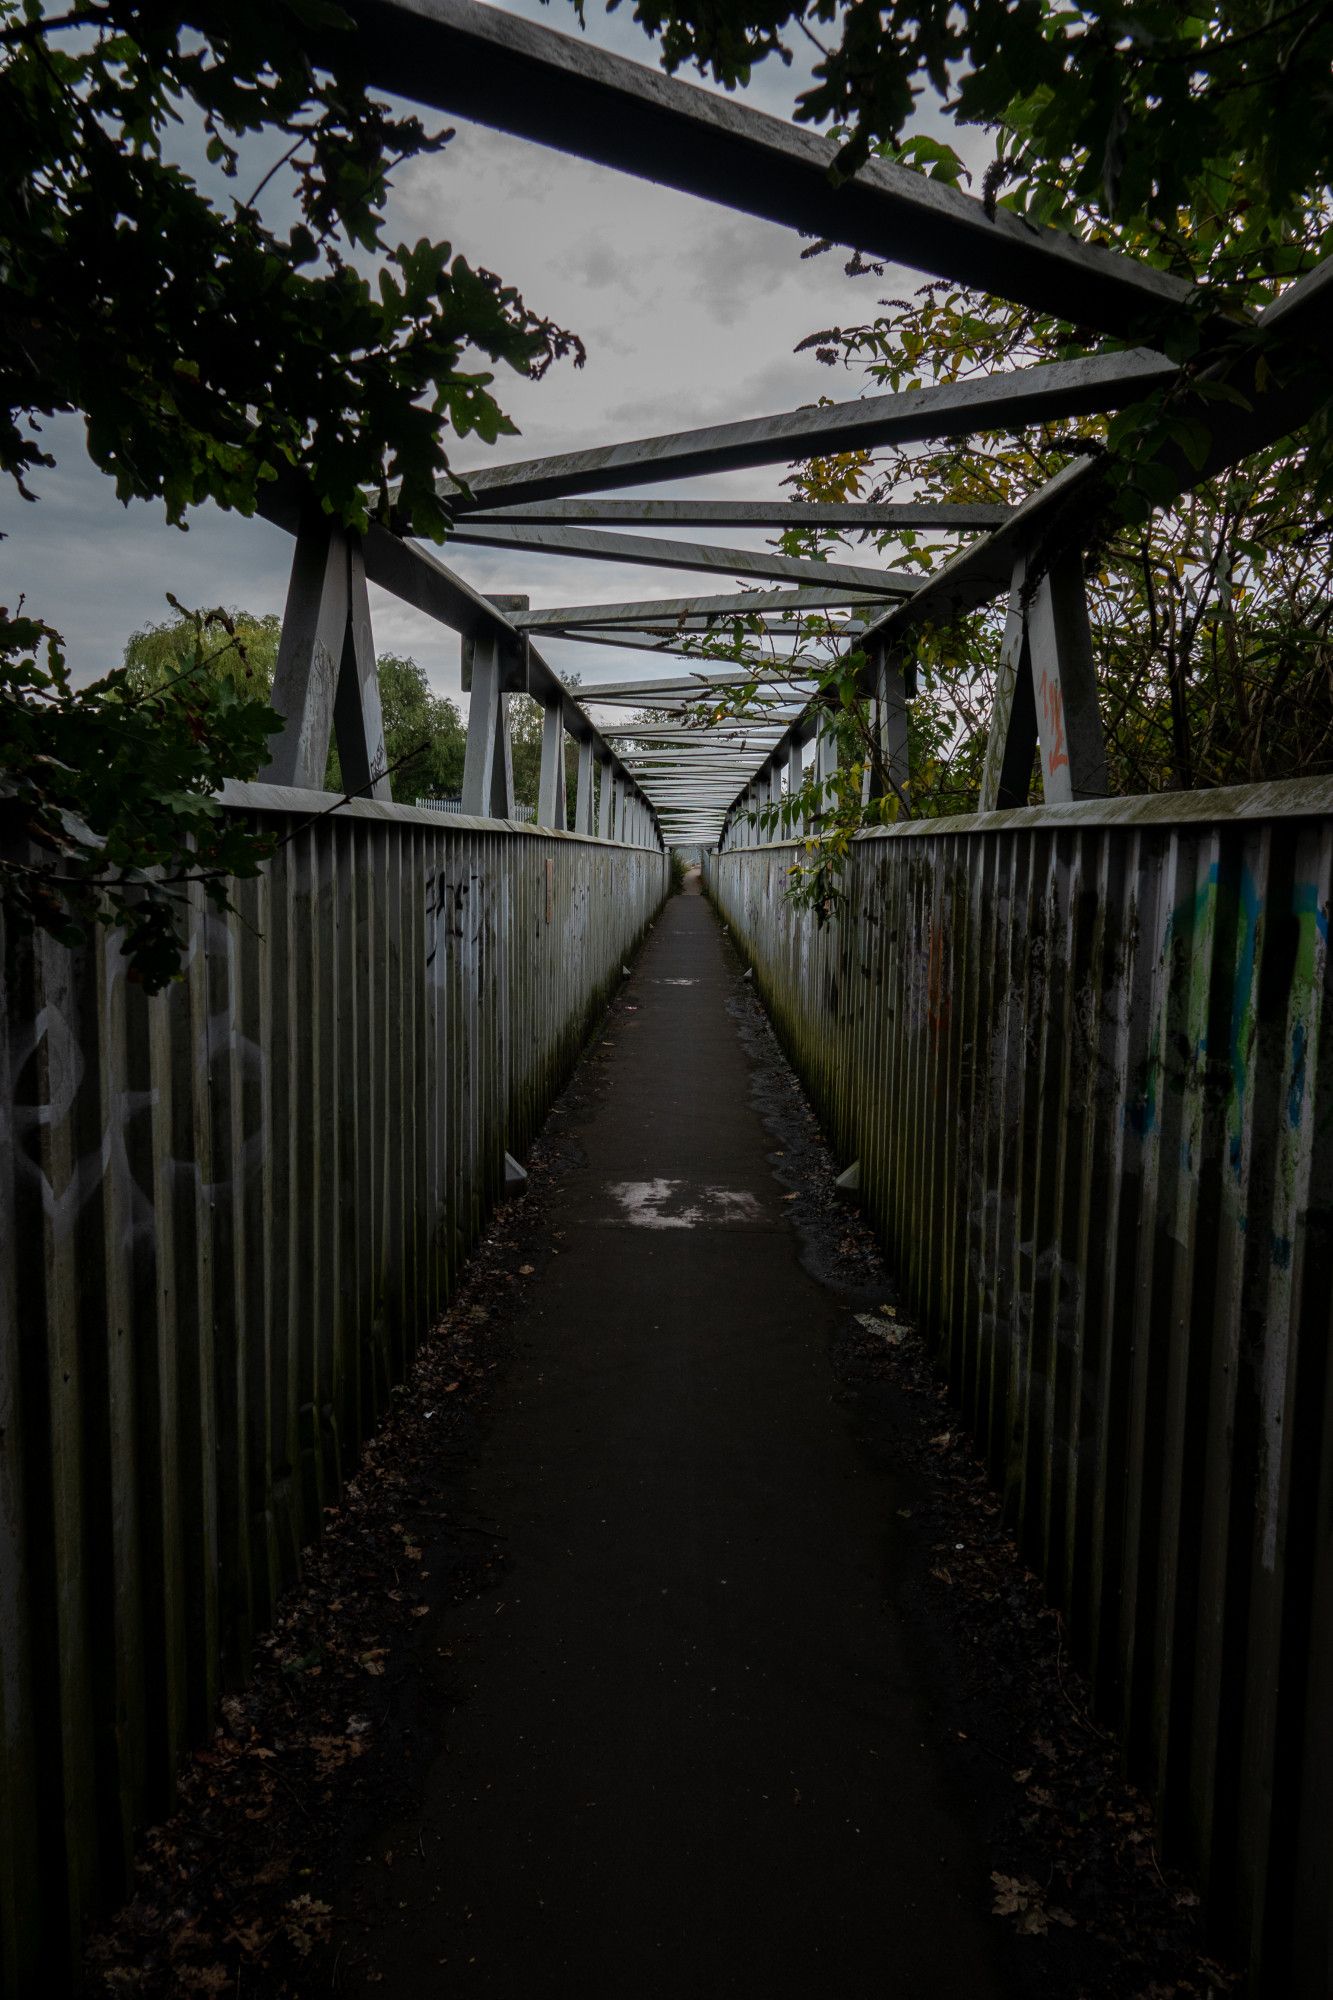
(1053, 709)
(453, 911)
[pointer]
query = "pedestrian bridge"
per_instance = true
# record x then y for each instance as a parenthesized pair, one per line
(1073, 1055)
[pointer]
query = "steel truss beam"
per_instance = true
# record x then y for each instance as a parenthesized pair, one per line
(1048, 392)
(729, 606)
(651, 552)
(489, 65)
(748, 514)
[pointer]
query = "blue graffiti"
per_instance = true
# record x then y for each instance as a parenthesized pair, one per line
(1296, 1088)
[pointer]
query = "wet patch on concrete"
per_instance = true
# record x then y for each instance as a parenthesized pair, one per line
(680, 1204)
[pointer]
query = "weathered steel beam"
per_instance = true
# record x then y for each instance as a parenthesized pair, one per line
(749, 514)
(1048, 392)
(488, 770)
(693, 683)
(326, 683)
(358, 716)
(676, 645)
(584, 797)
(310, 651)
(886, 772)
(489, 65)
(729, 605)
(551, 788)
(1064, 679)
(651, 552)
(1011, 745)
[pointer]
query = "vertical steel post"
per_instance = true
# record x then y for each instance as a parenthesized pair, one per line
(887, 772)
(551, 790)
(488, 770)
(358, 718)
(326, 677)
(1006, 771)
(795, 779)
(1064, 680)
(584, 802)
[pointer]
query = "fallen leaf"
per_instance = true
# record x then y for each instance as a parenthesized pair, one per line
(308, 1923)
(1019, 1897)
(203, 1979)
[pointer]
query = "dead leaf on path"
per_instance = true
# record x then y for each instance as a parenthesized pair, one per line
(203, 1979)
(1019, 1897)
(308, 1923)
(333, 1752)
(890, 1335)
(526, 1270)
(252, 1938)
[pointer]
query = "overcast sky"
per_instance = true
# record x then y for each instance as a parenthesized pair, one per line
(689, 314)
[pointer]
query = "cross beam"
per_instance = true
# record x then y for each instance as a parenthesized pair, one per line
(650, 552)
(748, 514)
(730, 605)
(1048, 392)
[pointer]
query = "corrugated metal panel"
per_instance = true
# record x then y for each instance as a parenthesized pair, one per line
(1084, 1057)
(229, 1215)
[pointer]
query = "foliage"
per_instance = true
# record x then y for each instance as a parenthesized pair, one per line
(214, 355)
(1205, 131)
(423, 736)
(525, 742)
(237, 646)
(107, 813)
(210, 352)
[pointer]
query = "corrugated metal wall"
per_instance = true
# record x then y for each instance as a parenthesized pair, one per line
(229, 1214)
(1084, 1057)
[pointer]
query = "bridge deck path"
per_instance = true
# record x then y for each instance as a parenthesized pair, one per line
(692, 1757)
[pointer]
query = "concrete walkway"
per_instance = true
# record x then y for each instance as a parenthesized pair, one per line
(692, 1760)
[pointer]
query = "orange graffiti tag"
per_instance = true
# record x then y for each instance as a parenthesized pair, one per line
(1052, 701)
